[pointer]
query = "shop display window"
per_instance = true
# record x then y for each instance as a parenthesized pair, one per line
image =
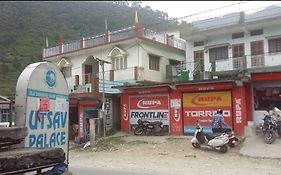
(265, 97)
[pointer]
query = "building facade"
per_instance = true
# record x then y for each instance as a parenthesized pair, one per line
(232, 62)
(240, 46)
(93, 66)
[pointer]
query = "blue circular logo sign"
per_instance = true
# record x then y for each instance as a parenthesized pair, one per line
(50, 78)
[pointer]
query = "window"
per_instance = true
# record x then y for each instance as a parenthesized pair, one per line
(4, 113)
(257, 57)
(237, 35)
(66, 71)
(119, 63)
(154, 62)
(257, 48)
(238, 50)
(218, 53)
(237, 54)
(198, 43)
(256, 32)
(264, 97)
(274, 45)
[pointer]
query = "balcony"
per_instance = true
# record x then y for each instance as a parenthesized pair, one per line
(89, 83)
(226, 68)
(114, 36)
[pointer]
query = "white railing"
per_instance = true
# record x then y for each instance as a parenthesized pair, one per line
(121, 34)
(113, 36)
(51, 51)
(94, 41)
(69, 47)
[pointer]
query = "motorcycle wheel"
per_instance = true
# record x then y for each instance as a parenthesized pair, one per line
(196, 145)
(138, 131)
(279, 128)
(223, 149)
(231, 145)
(269, 137)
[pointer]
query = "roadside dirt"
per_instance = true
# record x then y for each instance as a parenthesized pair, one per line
(175, 156)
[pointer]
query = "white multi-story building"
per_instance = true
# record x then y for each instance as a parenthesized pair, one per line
(244, 47)
(132, 55)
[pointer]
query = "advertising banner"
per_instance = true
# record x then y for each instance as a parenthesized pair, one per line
(176, 120)
(150, 108)
(202, 107)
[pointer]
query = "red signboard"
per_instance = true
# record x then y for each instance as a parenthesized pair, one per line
(176, 121)
(239, 110)
(124, 104)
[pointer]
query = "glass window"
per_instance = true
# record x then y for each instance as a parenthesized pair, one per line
(264, 97)
(119, 63)
(218, 53)
(257, 48)
(237, 35)
(154, 62)
(238, 50)
(256, 32)
(274, 45)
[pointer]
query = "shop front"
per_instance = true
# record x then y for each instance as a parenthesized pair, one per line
(202, 100)
(266, 88)
(180, 106)
(151, 103)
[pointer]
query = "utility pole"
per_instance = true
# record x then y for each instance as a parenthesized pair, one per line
(102, 62)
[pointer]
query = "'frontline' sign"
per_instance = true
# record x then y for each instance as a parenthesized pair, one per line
(202, 106)
(42, 105)
(150, 108)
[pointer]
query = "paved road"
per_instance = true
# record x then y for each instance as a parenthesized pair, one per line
(98, 171)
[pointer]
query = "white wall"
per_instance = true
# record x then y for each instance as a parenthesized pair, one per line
(165, 55)
(270, 60)
(137, 55)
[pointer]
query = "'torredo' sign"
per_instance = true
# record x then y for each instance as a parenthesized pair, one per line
(42, 105)
(150, 108)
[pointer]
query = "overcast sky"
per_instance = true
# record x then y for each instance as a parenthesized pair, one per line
(184, 8)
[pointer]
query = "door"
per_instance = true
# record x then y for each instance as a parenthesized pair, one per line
(198, 63)
(88, 72)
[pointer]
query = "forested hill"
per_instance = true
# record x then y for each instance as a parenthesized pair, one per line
(25, 25)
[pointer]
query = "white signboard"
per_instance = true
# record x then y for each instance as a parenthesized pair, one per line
(150, 108)
(42, 105)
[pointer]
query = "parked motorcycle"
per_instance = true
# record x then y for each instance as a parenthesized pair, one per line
(215, 142)
(269, 129)
(149, 128)
(276, 112)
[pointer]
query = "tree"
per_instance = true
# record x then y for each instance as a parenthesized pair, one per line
(4, 68)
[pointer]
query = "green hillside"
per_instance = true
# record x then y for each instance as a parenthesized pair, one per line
(25, 25)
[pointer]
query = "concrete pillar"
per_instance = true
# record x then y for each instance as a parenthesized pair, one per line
(92, 131)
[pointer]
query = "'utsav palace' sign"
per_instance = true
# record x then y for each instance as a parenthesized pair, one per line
(42, 105)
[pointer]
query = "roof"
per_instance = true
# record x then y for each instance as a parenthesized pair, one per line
(154, 85)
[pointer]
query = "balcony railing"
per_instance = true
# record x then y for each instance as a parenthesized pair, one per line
(82, 83)
(112, 37)
(227, 67)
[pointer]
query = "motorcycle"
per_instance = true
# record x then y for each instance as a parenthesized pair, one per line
(269, 129)
(215, 142)
(147, 127)
(232, 138)
(276, 112)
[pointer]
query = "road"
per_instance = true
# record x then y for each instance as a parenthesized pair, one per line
(76, 170)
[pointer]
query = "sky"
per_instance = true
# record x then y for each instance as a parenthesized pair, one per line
(177, 9)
